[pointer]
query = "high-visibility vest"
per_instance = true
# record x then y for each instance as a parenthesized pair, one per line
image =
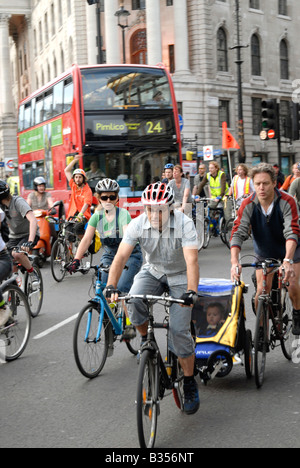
(215, 184)
(246, 186)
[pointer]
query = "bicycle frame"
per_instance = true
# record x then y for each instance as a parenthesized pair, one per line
(104, 307)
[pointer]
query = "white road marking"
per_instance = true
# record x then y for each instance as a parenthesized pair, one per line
(56, 327)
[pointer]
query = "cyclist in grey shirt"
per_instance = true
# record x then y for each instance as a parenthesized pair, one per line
(23, 228)
(169, 241)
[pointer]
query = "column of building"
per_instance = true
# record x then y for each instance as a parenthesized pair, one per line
(8, 144)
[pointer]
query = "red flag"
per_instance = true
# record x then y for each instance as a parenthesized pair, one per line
(228, 141)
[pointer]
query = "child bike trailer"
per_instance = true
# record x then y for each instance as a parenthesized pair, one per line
(219, 322)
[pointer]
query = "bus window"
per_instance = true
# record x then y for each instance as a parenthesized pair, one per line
(58, 98)
(21, 118)
(32, 111)
(68, 94)
(27, 115)
(48, 105)
(32, 170)
(39, 110)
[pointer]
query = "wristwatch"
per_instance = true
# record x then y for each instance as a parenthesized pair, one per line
(291, 262)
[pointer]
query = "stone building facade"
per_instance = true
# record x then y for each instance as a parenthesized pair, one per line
(195, 39)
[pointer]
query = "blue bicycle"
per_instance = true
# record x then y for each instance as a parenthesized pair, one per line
(97, 328)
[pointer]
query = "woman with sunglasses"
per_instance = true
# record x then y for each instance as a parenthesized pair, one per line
(111, 223)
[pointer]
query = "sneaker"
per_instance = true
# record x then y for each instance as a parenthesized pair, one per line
(129, 333)
(191, 397)
(296, 322)
(5, 314)
(35, 282)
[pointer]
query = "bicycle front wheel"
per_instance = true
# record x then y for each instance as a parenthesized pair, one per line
(35, 294)
(206, 233)
(90, 348)
(15, 335)
(147, 400)
(58, 260)
(227, 231)
(260, 342)
(287, 324)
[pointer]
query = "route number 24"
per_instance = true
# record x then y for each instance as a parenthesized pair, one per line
(154, 128)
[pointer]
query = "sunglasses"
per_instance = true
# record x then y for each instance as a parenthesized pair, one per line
(108, 197)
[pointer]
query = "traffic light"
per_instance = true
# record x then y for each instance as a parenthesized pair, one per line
(269, 114)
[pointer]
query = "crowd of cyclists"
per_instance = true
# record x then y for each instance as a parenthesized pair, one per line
(167, 237)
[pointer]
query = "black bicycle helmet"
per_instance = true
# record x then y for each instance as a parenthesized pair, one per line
(4, 190)
(107, 185)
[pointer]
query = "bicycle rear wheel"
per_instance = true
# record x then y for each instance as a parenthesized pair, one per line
(15, 335)
(260, 342)
(35, 296)
(147, 400)
(58, 260)
(287, 323)
(90, 353)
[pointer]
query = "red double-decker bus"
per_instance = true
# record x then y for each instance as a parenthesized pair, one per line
(123, 119)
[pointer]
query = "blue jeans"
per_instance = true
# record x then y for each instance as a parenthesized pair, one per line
(134, 265)
(180, 339)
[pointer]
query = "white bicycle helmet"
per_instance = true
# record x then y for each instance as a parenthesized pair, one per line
(107, 185)
(158, 194)
(39, 181)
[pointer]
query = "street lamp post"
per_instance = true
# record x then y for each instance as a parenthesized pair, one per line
(239, 62)
(98, 18)
(122, 15)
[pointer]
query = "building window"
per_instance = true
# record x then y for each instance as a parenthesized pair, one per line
(40, 36)
(254, 4)
(171, 58)
(52, 20)
(256, 116)
(224, 112)
(169, 2)
(46, 29)
(284, 60)
(138, 47)
(282, 7)
(222, 59)
(255, 56)
(138, 4)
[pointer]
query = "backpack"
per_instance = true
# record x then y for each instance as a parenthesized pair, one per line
(4, 231)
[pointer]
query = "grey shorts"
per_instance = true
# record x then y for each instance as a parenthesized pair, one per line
(180, 339)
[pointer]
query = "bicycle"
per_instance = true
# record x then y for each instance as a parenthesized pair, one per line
(64, 249)
(155, 374)
(97, 328)
(213, 224)
(277, 307)
(14, 336)
(35, 295)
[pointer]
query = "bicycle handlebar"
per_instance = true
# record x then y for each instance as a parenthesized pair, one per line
(269, 262)
(150, 298)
